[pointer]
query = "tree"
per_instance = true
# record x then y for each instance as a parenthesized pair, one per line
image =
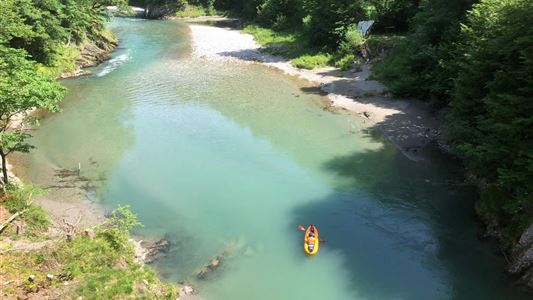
(281, 14)
(428, 54)
(392, 15)
(156, 9)
(330, 19)
(21, 88)
(491, 121)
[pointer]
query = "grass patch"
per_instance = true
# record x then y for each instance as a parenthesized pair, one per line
(97, 268)
(294, 44)
(268, 37)
(194, 11)
(312, 61)
(19, 198)
(290, 44)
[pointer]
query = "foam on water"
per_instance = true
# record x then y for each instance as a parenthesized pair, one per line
(113, 64)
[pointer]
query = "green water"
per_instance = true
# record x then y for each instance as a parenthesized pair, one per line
(232, 157)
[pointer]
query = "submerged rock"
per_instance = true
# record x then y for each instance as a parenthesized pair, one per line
(148, 251)
(184, 291)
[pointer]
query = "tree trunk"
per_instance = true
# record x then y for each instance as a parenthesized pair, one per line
(4, 168)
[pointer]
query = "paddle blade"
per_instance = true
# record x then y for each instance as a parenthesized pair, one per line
(300, 227)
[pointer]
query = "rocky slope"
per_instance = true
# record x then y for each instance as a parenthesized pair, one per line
(92, 53)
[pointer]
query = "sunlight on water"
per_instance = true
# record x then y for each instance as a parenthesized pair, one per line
(227, 159)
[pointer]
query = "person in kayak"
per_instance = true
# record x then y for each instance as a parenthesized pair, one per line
(311, 239)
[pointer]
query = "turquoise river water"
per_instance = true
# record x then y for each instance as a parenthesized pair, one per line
(230, 157)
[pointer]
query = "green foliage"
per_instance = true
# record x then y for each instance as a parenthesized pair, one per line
(62, 61)
(324, 21)
(157, 9)
(330, 19)
(428, 53)
(95, 268)
(40, 27)
(22, 88)
(351, 42)
(311, 61)
(117, 227)
(384, 43)
(105, 264)
(347, 62)
(280, 14)
(269, 37)
(193, 11)
(391, 16)
(243, 8)
(294, 45)
(19, 198)
(491, 122)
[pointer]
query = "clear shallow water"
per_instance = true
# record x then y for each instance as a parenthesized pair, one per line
(223, 157)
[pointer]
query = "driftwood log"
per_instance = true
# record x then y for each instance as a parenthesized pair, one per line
(13, 217)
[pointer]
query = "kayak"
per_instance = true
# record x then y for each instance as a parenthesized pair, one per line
(306, 246)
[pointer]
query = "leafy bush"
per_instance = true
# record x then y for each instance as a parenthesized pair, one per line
(116, 229)
(64, 60)
(351, 42)
(347, 62)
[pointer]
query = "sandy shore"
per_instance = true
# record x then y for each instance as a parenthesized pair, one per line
(408, 124)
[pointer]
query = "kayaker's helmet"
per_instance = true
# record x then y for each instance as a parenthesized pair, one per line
(312, 228)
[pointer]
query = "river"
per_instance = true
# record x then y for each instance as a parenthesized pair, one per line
(231, 157)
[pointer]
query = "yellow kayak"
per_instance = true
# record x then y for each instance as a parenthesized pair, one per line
(307, 241)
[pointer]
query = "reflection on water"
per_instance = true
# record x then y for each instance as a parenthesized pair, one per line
(227, 159)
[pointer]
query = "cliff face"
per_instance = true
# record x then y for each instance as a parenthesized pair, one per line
(522, 261)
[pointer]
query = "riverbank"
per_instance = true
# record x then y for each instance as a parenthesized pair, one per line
(408, 124)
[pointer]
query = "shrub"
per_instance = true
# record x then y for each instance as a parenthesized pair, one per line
(351, 41)
(311, 61)
(19, 198)
(193, 11)
(346, 62)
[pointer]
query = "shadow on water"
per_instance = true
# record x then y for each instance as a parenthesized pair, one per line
(406, 229)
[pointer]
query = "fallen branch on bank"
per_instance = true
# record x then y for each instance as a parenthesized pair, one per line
(13, 217)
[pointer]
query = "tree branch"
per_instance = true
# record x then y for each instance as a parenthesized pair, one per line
(13, 217)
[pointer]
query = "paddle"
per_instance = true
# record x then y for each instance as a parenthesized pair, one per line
(300, 227)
